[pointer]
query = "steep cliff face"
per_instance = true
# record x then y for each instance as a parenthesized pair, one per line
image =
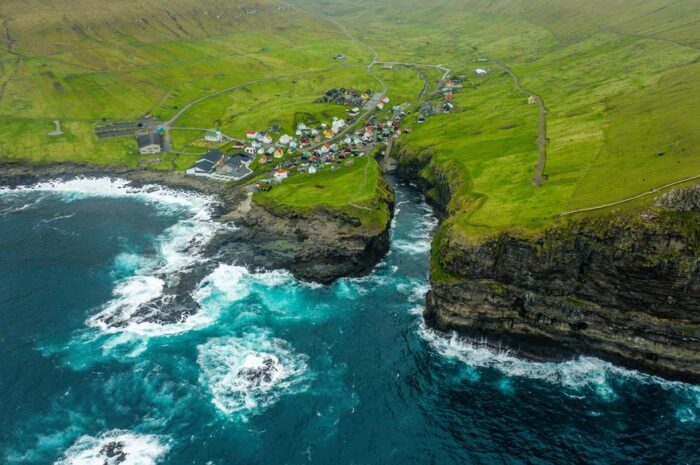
(317, 245)
(622, 287)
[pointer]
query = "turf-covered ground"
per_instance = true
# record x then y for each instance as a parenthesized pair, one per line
(619, 80)
(357, 190)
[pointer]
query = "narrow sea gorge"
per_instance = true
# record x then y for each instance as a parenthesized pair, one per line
(269, 369)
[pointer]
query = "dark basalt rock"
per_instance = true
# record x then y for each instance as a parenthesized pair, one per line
(624, 288)
(114, 453)
(259, 375)
(319, 246)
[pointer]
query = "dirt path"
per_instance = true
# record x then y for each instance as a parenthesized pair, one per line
(629, 199)
(364, 183)
(541, 126)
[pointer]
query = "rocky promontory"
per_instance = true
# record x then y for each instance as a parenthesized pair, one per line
(621, 286)
(319, 245)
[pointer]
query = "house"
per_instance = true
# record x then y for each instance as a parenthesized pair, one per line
(328, 134)
(312, 169)
(214, 136)
(292, 146)
(207, 164)
(338, 124)
(285, 139)
(385, 100)
(281, 174)
(447, 107)
(263, 160)
(354, 112)
(251, 134)
(251, 150)
(380, 106)
(275, 129)
(149, 143)
(239, 145)
(278, 153)
(531, 100)
(481, 72)
(237, 166)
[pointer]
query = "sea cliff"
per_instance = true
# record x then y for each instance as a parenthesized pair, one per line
(316, 245)
(622, 286)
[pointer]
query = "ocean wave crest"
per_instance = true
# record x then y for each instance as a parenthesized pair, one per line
(247, 374)
(115, 447)
(576, 374)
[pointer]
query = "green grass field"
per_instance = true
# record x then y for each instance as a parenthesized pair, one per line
(619, 88)
(357, 190)
(619, 80)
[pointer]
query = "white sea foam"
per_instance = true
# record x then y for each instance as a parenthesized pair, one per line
(115, 447)
(247, 374)
(576, 374)
(412, 246)
(177, 248)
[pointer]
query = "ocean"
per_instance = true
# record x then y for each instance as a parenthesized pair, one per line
(271, 370)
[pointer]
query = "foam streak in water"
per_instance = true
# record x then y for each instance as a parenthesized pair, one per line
(249, 373)
(115, 447)
(575, 374)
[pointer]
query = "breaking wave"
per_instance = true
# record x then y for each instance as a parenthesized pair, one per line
(247, 374)
(139, 295)
(575, 375)
(115, 447)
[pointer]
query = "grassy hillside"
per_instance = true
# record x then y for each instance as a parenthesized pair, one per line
(618, 80)
(357, 190)
(87, 63)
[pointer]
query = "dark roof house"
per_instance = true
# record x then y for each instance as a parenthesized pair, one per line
(207, 163)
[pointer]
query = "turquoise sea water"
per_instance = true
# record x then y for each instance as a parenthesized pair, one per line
(273, 371)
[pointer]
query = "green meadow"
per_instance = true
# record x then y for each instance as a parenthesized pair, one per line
(620, 90)
(358, 190)
(619, 81)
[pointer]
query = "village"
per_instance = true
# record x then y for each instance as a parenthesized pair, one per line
(266, 156)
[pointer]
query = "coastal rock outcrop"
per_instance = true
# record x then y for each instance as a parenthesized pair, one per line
(624, 287)
(320, 245)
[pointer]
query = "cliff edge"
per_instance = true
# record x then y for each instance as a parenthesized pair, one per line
(624, 287)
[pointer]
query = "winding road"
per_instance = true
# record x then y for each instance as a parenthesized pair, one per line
(540, 177)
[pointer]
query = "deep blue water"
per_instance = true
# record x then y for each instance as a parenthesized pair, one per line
(356, 378)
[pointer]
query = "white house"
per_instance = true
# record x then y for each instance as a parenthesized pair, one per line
(149, 144)
(312, 169)
(481, 72)
(338, 124)
(285, 139)
(251, 134)
(250, 150)
(214, 136)
(280, 174)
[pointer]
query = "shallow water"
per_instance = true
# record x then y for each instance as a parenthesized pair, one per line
(273, 370)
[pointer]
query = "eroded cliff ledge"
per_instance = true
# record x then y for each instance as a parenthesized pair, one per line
(625, 287)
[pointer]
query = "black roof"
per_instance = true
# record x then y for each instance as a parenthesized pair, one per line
(148, 139)
(234, 163)
(243, 156)
(214, 156)
(204, 165)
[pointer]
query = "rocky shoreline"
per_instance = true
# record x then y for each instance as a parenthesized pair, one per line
(318, 246)
(621, 287)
